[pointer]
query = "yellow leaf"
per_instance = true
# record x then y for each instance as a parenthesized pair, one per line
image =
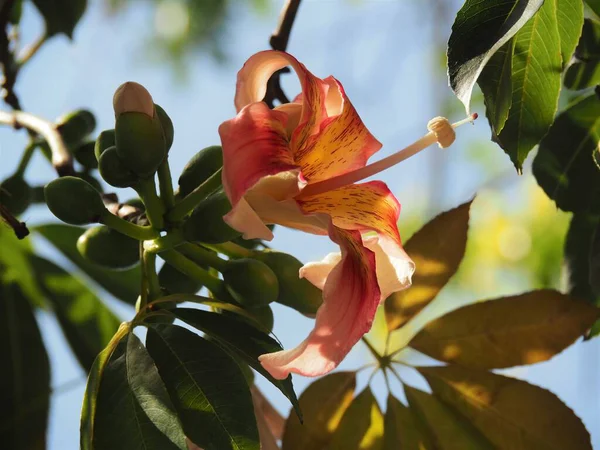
(323, 404)
(450, 430)
(361, 427)
(437, 250)
(506, 332)
(401, 429)
(512, 414)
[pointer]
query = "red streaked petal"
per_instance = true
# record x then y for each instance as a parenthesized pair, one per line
(350, 299)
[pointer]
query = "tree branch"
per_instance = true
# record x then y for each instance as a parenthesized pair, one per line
(19, 228)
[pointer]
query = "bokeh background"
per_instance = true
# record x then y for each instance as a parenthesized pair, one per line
(389, 55)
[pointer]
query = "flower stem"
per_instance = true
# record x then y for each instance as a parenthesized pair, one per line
(203, 256)
(127, 228)
(173, 239)
(31, 50)
(165, 183)
(25, 159)
(151, 275)
(232, 250)
(155, 210)
(187, 204)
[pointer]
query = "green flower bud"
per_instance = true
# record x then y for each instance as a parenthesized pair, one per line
(206, 224)
(140, 142)
(74, 201)
(175, 282)
(166, 124)
(15, 194)
(114, 171)
(85, 176)
(264, 316)
(297, 293)
(105, 140)
(251, 283)
(109, 248)
(85, 155)
(202, 165)
(74, 127)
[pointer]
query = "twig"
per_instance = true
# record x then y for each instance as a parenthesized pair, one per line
(279, 41)
(61, 157)
(20, 228)
(7, 60)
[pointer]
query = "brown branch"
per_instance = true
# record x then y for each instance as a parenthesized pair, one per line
(279, 41)
(7, 60)
(20, 228)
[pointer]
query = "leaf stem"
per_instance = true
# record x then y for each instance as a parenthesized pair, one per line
(187, 204)
(138, 232)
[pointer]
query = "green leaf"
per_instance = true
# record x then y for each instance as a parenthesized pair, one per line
(61, 16)
(569, 19)
(403, 430)
(536, 78)
(361, 427)
(437, 250)
(507, 332)
(496, 84)
(323, 403)
(578, 254)
(479, 30)
(511, 413)
(584, 72)
(594, 6)
(90, 397)
(241, 339)
(25, 374)
(451, 431)
(564, 167)
(207, 388)
(86, 322)
(134, 409)
(123, 284)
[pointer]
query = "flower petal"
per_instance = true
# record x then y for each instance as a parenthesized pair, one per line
(350, 299)
(342, 144)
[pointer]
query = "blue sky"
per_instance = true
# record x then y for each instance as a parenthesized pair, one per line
(382, 53)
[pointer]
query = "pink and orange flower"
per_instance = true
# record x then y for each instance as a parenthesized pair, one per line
(296, 166)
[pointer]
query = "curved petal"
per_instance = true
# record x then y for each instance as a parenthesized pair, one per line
(350, 299)
(317, 272)
(244, 219)
(342, 144)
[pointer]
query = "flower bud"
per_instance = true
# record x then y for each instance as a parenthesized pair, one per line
(75, 126)
(202, 165)
(175, 282)
(140, 142)
(74, 201)
(295, 292)
(15, 194)
(250, 282)
(85, 155)
(114, 171)
(105, 140)
(206, 224)
(109, 248)
(133, 97)
(166, 124)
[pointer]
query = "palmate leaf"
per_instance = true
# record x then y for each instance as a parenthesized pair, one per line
(510, 413)
(437, 250)
(506, 332)
(25, 374)
(564, 167)
(207, 388)
(323, 403)
(134, 409)
(479, 30)
(402, 429)
(242, 340)
(123, 284)
(449, 429)
(85, 321)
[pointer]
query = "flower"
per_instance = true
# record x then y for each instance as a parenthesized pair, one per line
(296, 165)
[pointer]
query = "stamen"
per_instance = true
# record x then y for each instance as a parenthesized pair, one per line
(440, 131)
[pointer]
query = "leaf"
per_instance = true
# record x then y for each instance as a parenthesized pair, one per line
(584, 71)
(511, 413)
(25, 374)
(90, 397)
(134, 409)
(123, 284)
(508, 331)
(595, 261)
(563, 166)
(479, 30)
(323, 404)
(536, 79)
(61, 16)
(495, 82)
(569, 19)
(86, 322)
(450, 430)
(207, 388)
(242, 340)
(401, 430)
(594, 6)
(361, 427)
(578, 254)
(437, 250)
